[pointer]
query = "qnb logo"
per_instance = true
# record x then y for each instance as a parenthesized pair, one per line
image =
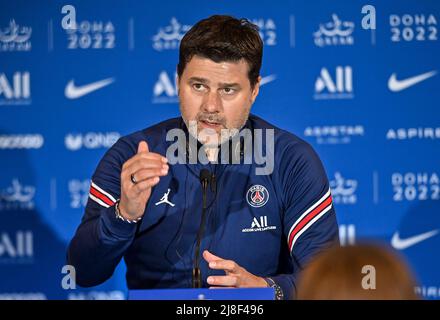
(335, 33)
(347, 234)
(16, 90)
(343, 134)
(90, 140)
(18, 247)
(21, 141)
(168, 38)
(415, 186)
(79, 193)
(258, 225)
(413, 27)
(267, 29)
(15, 37)
(426, 133)
(91, 35)
(165, 89)
(343, 190)
(338, 86)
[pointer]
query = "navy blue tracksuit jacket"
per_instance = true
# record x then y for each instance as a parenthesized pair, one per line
(271, 225)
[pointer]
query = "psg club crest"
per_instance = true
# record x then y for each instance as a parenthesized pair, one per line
(257, 196)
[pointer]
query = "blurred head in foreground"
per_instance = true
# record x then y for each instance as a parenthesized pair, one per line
(360, 272)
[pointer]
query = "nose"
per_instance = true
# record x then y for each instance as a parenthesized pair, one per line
(212, 103)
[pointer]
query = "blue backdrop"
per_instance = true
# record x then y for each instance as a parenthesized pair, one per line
(358, 83)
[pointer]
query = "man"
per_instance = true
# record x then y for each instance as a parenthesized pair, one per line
(256, 230)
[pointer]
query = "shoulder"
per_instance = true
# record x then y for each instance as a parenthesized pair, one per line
(287, 145)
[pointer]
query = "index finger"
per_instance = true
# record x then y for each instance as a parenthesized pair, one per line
(147, 156)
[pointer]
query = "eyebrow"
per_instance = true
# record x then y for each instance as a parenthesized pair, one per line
(221, 84)
(224, 85)
(197, 79)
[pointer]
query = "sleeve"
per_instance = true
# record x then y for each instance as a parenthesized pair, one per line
(101, 239)
(309, 217)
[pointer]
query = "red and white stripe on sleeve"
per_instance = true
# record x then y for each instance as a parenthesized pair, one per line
(308, 218)
(100, 196)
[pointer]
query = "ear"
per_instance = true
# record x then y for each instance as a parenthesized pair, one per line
(256, 89)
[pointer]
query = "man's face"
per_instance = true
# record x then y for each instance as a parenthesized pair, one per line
(215, 96)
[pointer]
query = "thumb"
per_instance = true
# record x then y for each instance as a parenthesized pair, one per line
(142, 147)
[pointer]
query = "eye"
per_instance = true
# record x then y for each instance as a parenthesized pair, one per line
(198, 87)
(229, 91)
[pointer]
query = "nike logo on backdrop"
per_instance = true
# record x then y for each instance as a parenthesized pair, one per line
(399, 85)
(75, 92)
(402, 244)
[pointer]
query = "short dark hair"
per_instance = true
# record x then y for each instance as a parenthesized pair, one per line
(223, 38)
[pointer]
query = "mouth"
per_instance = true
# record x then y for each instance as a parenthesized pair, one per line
(210, 125)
